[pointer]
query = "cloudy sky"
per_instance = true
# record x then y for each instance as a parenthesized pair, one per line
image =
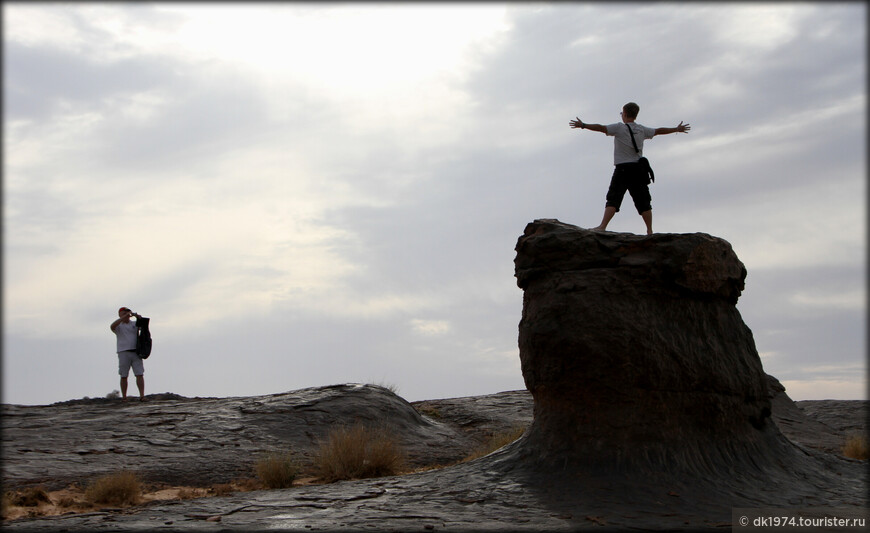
(309, 194)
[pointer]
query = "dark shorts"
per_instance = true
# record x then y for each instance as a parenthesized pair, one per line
(629, 177)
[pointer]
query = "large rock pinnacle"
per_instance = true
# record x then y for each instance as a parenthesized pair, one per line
(635, 353)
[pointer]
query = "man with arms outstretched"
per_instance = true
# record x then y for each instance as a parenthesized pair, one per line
(628, 174)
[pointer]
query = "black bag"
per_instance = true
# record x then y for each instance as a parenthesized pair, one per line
(643, 162)
(143, 338)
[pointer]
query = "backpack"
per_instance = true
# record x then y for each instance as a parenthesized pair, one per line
(143, 338)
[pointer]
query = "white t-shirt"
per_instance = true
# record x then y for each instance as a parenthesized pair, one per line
(623, 150)
(127, 336)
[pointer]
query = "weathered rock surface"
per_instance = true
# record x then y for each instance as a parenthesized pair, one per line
(650, 410)
(639, 361)
(818, 424)
(54, 445)
(481, 417)
(640, 365)
(632, 344)
(846, 417)
(202, 441)
(460, 498)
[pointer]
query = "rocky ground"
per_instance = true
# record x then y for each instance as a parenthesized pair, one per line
(183, 447)
(206, 441)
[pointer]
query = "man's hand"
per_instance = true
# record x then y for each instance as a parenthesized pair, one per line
(681, 128)
(577, 123)
(114, 324)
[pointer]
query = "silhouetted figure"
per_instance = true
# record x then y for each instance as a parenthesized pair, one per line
(628, 174)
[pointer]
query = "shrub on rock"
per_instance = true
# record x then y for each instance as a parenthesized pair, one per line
(358, 452)
(122, 488)
(277, 470)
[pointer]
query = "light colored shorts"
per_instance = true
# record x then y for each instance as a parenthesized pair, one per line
(128, 359)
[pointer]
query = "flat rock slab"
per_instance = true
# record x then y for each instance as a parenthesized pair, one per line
(203, 441)
(846, 417)
(481, 417)
(209, 440)
(818, 424)
(475, 496)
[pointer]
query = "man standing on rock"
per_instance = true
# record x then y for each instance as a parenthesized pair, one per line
(629, 174)
(126, 334)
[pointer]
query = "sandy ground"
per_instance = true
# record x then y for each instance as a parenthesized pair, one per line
(72, 500)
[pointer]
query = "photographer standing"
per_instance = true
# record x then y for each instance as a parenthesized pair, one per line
(127, 334)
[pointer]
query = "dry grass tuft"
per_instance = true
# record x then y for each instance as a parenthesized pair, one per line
(115, 489)
(277, 470)
(69, 501)
(358, 452)
(497, 441)
(246, 484)
(429, 411)
(27, 497)
(190, 493)
(222, 489)
(856, 447)
(392, 387)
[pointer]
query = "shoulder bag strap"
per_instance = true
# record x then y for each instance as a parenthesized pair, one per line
(631, 134)
(652, 176)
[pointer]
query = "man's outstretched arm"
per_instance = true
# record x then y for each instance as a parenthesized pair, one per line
(577, 123)
(681, 128)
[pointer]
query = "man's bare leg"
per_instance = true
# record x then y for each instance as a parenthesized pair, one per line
(124, 389)
(140, 383)
(609, 211)
(647, 219)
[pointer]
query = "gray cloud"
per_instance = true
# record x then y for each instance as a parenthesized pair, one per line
(537, 68)
(431, 223)
(40, 79)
